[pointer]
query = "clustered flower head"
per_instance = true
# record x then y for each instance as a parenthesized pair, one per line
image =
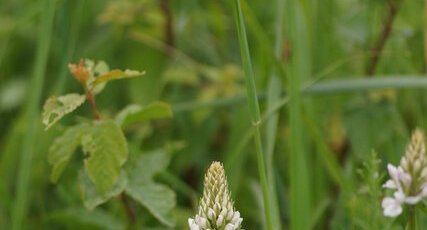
(216, 209)
(409, 179)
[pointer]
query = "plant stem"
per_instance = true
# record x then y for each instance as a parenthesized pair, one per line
(393, 8)
(20, 204)
(273, 97)
(253, 107)
(299, 70)
(168, 27)
(129, 210)
(91, 99)
(412, 221)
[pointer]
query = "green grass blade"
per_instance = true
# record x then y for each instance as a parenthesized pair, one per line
(20, 204)
(298, 69)
(274, 90)
(362, 84)
(253, 107)
(273, 97)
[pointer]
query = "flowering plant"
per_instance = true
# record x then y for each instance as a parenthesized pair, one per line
(216, 209)
(409, 179)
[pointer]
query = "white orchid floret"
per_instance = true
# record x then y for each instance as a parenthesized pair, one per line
(409, 179)
(216, 209)
(401, 181)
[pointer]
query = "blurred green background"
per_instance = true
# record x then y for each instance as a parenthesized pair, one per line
(360, 64)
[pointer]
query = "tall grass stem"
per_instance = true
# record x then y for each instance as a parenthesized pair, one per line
(20, 205)
(298, 69)
(254, 108)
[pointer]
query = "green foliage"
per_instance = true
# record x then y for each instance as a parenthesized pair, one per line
(63, 147)
(114, 75)
(364, 202)
(321, 112)
(136, 113)
(105, 147)
(106, 151)
(80, 218)
(57, 107)
(157, 198)
(92, 197)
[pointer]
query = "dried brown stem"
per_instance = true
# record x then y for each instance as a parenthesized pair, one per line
(168, 29)
(375, 52)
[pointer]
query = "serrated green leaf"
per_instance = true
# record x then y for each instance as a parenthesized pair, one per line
(116, 74)
(57, 107)
(91, 197)
(106, 149)
(97, 69)
(136, 113)
(157, 198)
(63, 147)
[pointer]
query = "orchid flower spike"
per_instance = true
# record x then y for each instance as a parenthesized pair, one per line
(409, 179)
(216, 209)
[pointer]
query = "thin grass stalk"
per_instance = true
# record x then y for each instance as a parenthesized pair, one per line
(299, 194)
(360, 84)
(273, 96)
(254, 108)
(20, 205)
(274, 88)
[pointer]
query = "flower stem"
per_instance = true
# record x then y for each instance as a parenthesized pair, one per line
(412, 220)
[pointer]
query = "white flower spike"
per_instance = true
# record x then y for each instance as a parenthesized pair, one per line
(216, 209)
(409, 179)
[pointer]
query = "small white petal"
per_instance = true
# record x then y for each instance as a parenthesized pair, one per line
(230, 214)
(211, 214)
(220, 220)
(399, 196)
(392, 207)
(392, 171)
(230, 227)
(424, 190)
(192, 224)
(224, 213)
(413, 199)
(390, 184)
(201, 222)
(236, 217)
(404, 177)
